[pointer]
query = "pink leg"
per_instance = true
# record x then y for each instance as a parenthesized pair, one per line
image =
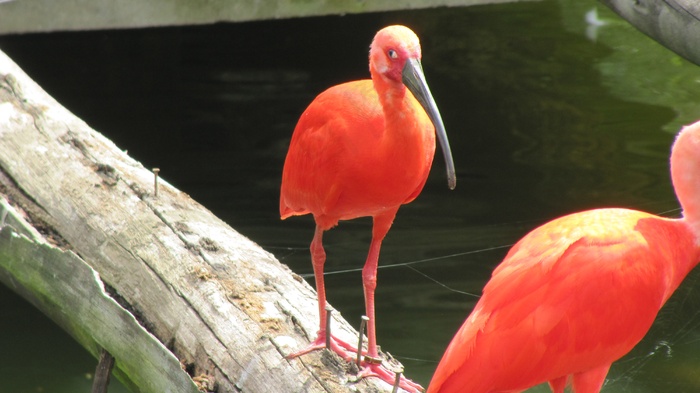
(381, 226)
(558, 385)
(318, 259)
(590, 381)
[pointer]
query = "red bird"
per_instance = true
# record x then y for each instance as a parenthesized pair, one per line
(577, 293)
(364, 148)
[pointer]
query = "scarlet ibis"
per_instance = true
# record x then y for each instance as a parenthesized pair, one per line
(364, 148)
(577, 293)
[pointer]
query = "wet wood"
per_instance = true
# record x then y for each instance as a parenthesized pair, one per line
(100, 383)
(221, 308)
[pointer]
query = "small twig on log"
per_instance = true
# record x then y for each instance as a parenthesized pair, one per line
(397, 382)
(102, 373)
(329, 311)
(155, 181)
(364, 321)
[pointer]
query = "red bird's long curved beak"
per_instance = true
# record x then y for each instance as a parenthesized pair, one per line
(414, 79)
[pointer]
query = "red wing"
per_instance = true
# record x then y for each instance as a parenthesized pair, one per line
(570, 294)
(327, 130)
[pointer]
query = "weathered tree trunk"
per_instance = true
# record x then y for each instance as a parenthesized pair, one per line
(21, 16)
(146, 277)
(673, 23)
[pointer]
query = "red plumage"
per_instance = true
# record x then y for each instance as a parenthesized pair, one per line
(576, 294)
(364, 148)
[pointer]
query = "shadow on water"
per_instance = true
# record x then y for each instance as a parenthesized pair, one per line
(543, 122)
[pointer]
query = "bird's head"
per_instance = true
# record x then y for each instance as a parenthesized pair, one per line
(395, 58)
(392, 48)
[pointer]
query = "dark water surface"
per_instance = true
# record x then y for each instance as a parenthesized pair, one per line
(545, 117)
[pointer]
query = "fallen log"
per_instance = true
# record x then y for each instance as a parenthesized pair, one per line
(24, 17)
(181, 300)
(673, 23)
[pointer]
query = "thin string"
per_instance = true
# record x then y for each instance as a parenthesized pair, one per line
(404, 264)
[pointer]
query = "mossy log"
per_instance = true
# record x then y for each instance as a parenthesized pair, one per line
(159, 282)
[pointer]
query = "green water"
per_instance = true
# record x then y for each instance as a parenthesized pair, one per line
(544, 117)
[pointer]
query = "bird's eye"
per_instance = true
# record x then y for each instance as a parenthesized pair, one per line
(392, 53)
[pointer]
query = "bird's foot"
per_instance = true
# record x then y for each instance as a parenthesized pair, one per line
(374, 369)
(343, 349)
